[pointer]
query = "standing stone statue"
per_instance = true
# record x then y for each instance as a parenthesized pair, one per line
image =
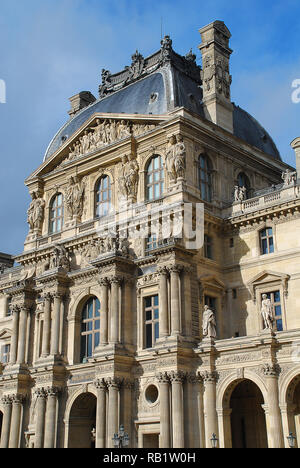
(289, 177)
(74, 197)
(180, 158)
(267, 312)
(209, 323)
(170, 159)
(132, 176)
(35, 213)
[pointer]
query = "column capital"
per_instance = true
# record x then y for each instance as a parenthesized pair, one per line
(51, 391)
(192, 378)
(6, 400)
(177, 376)
(17, 398)
(100, 384)
(40, 393)
(46, 296)
(116, 279)
(114, 382)
(271, 370)
(15, 309)
(175, 269)
(162, 270)
(103, 281)
(163, 378)
(208, 376)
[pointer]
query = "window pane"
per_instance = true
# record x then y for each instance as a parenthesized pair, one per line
(278, 311)
(89, 345)
(277, 296)
(97, 339)
(279, 325)
(271, 245)
(148, 315)
(156, 331)
(97, 325)
(149, 336)
(264, 246)
(148, 302)
(156, 314)
(155, 301)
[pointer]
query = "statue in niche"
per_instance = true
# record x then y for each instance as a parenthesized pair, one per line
(59, 258)
(35, 213)
(170, 158)
(129, 177)
(74, 197)
(180, 157)
(209, 323)
(176, 158)
(267, 312)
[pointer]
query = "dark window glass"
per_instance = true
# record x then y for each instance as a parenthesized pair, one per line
(205, 177)
(155, 179)
(266, 241)
(151, 310)
(56, 215)
(90, 328)
(103, 197)
(208, 247)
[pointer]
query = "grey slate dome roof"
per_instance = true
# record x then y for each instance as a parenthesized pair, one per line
(157, 85)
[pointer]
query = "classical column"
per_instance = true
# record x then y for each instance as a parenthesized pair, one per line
(115, 305)
(176, 379)
(15, 335)
(126, 407)
(6, 401)
(113, 409)
(56, 324)
(41, 399)
(163, 305)
(101, 413)
(16, 420)
(175, 300)
(275, 430)
(22, 335)
(104, 312)
(50, 424)
(210, 412)
(46, 326)
(164, 391)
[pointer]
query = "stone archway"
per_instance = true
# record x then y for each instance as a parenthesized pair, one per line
(293, 408)
(248, 421)
(82, 421)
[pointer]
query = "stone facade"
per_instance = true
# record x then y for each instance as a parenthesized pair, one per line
(153, 363)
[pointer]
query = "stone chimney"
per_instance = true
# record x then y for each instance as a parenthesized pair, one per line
(80, 101)
(216, 76)
(296, 147)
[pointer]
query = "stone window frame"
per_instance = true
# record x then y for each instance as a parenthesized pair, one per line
(210, 171)
(97, 185)
(50, 209)
(163, 180)
(268, 282)
(92, 331)
(142, 293)
(210, 286)
(153, 321)
(5, 340)
(258, 230)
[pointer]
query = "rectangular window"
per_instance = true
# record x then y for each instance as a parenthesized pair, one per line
(151, 320)
(266, 241)
(275, 298)
(208, 247)
(152, 243)
(5, 354)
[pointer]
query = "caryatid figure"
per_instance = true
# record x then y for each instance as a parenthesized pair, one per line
(35, 213)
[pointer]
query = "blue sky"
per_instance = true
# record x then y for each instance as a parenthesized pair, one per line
(52, 49)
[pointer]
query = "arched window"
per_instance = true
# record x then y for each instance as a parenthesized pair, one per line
(205, 177)
(90, 328)
(243, 181)
(103, 197)
(56, 218)
(155, 179)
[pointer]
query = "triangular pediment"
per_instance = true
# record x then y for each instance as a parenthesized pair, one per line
(212, 282)
(268, 276)
(5, 334)
(100, 132)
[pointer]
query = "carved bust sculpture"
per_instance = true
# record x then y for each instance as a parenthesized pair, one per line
(209, 323)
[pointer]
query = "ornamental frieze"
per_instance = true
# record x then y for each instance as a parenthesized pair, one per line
(245, 357)
(106, 132)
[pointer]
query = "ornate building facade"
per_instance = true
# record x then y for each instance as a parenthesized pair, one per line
(112, 315)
